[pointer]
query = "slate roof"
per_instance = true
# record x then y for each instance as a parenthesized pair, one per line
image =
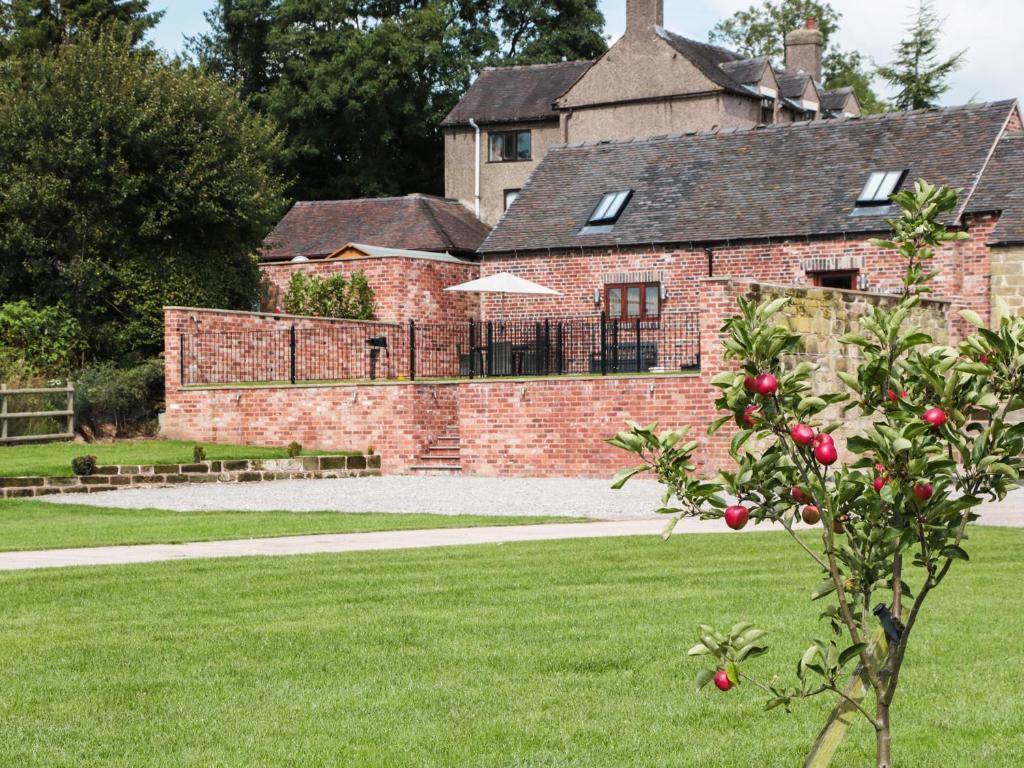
(415, 222)
(707, 58)
(377, 252)
(516, 94)
(835, 100)
(792, 84)
(794, 180)
(746, 70)
(1002, 189)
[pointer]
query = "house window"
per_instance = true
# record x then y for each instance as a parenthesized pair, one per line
(844, 280)
(880, 186)
(632, 301)
(510, 145)
(510, 197)
(609, 209)
(767, 116)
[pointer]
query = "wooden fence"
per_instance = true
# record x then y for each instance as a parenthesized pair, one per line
(7, 414)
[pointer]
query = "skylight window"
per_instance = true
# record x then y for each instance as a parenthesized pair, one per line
(610, 208)
(880, 186)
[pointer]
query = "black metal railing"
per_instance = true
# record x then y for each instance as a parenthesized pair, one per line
(368, 351)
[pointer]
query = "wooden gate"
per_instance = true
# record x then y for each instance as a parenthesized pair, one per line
(7, 414)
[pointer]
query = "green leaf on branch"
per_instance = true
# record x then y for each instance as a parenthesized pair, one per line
(704, 677)
(954, 552)
(623, 475)
(825, 588)
(973, 318)
(851, 652)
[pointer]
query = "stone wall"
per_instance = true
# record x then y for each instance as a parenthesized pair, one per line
(404, 289)
(1008, 277)
(120, 476)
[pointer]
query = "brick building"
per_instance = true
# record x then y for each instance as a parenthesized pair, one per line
(630, 228)
(410, 248)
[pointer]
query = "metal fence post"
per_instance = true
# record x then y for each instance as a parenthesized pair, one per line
(181, 357)
(292, 350)
(547, 346)
(638, 367)
(472, 348)
(604, 340)
(412, 350)
(490, 347)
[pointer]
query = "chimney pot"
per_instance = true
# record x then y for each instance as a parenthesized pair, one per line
(804, 49)
(812, 23)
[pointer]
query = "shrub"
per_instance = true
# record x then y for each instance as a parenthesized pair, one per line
(41, 342)
(83, 465)
(124, 398)
(294, 449)
(198, 453)
(333, 296)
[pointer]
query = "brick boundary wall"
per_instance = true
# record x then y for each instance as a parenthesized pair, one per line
(121, 476)
(522, 427)
(404, 288)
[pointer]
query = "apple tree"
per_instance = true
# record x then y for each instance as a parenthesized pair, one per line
(890, 524)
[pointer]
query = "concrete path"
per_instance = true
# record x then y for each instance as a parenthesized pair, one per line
(341, 542)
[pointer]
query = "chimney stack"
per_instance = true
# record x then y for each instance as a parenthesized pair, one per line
(803, 49)
(642, 15)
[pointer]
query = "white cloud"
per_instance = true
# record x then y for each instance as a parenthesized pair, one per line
(990, 30)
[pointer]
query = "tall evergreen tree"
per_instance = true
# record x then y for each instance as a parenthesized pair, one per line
(919, 73)
(761, 31)
(40, 25)
(360, 86)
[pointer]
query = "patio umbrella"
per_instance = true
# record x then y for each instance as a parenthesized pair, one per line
(504, 283)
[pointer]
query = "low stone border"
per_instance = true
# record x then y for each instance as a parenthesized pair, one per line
(240, 471)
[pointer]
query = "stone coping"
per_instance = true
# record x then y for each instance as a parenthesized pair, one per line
(110, 478)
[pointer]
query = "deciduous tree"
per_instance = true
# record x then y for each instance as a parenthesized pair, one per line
(41, 25)
(888, 527)
(129, 183)
(361, 86)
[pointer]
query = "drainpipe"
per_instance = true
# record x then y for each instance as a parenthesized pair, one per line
(476, 166)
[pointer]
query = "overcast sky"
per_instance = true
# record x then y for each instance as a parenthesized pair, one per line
(990, 30)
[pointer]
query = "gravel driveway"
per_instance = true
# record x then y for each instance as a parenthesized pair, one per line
(438, 494)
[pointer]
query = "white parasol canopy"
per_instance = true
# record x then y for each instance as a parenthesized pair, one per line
(503, 282)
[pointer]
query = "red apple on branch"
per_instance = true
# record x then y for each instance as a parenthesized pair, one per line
(826, 453)
(722, 681)
(766, 384)
(736, 516)
(802, 434)
(923, 491)
(935, 417)
(750, 383)
(880, 483)
(799, 495)
(894, 397)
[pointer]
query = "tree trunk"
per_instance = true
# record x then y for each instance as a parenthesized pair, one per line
(883, 751)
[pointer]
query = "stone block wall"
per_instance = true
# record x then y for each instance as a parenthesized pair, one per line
(1008, 277)
(241, 471)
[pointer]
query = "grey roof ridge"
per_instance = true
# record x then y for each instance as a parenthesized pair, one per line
(1014, 107)
(538, 66)
(391, 198)
(801, 125)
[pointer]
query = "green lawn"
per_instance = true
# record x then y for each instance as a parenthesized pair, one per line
(28, 524)
(54, 459)
(532, 654)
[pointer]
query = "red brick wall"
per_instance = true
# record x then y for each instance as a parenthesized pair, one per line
(234, 347)
(538, 427)
(964, 271)
(404, 289)
(1015, 125)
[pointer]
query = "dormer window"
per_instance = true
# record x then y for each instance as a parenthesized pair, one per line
(881, 185)
(609, 209)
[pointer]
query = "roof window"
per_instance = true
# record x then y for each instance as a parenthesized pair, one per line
(881, 185)
(610, 208)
